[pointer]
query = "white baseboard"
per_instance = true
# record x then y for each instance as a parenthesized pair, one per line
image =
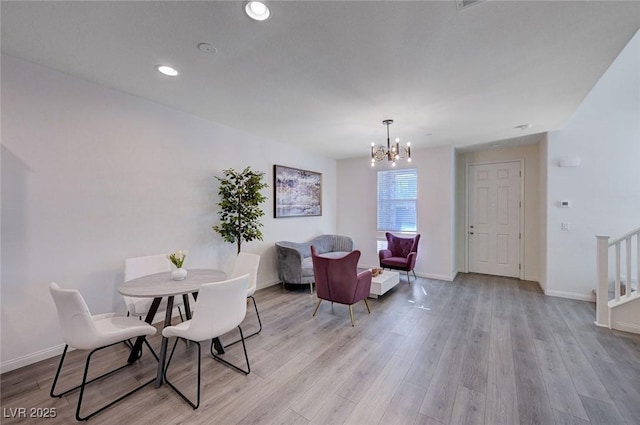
(32, 358)
(626, 327)
(425, 275)
(47, 353)
(263, 285)
(532, 278)
(437, 276)
(571, 295)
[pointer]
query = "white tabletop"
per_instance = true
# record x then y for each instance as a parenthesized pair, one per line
(162, 285)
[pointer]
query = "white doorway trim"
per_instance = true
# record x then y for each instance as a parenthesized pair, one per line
(522, 207)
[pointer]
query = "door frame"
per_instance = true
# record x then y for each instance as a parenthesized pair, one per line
(466, 215)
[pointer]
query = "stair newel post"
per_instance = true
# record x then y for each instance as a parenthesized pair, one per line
(627, 246)
(616, 288)
(602, 294)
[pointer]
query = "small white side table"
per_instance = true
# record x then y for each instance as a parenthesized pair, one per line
(382, 283)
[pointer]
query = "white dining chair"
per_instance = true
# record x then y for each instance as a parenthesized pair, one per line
(136, 267)
(220, 307)
(248, 263)
(83, 331)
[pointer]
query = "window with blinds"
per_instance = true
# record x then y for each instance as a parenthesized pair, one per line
(397, 198)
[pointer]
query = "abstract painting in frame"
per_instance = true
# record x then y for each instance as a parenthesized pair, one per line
(298, 193)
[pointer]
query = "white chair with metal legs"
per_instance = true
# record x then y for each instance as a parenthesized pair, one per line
(248, 263)
(83, 331)
(220, 307)
(136, 267)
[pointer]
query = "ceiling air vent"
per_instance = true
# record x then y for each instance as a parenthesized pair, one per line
(464, 4)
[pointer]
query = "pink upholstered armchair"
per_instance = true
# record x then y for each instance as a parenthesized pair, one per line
(338, 280)
(400, 254)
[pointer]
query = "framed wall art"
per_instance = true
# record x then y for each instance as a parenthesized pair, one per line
(298, 193)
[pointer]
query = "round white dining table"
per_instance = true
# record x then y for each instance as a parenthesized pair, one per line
(160, 285)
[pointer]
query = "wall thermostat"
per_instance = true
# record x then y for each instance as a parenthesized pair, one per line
(565, 204)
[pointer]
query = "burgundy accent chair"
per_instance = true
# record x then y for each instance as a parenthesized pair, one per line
(400, 254)
(338, 280)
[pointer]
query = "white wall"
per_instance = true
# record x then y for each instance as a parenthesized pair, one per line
(91, 176)
(605, 189)
(531, 205)
(436, 205)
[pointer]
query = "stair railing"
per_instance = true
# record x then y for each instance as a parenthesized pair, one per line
(603, 312)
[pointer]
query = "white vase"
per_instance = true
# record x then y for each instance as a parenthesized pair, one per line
(179, 274)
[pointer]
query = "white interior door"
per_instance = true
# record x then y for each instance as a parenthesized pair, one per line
(494, 204)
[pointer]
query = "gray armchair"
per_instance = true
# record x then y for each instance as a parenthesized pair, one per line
(295, 265)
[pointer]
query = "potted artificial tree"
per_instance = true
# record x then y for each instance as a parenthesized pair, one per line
(240, 210)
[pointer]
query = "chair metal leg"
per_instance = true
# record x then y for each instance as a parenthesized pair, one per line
(231, 365)
(367, 304)
(55, 378)
(85, 382)
(414, 273)
(351, 314)
(311, 287)
(408, 278)
(166, 379)
(151, 349)
(255, 306)
(180, 312)
(126, 341)
(316, 310)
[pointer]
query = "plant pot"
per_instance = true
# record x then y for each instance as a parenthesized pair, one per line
(179, 274)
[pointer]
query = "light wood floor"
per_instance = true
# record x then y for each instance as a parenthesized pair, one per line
(480, 350)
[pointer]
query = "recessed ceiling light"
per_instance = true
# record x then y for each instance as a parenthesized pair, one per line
(257, 10)
(167, 70)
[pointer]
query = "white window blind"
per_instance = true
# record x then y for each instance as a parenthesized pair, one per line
(397, 198)
(381, 244)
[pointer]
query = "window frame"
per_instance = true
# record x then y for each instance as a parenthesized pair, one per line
(381, 232)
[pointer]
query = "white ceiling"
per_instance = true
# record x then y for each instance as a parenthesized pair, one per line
(324, 74)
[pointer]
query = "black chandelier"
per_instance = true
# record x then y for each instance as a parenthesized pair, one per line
(391, 153)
